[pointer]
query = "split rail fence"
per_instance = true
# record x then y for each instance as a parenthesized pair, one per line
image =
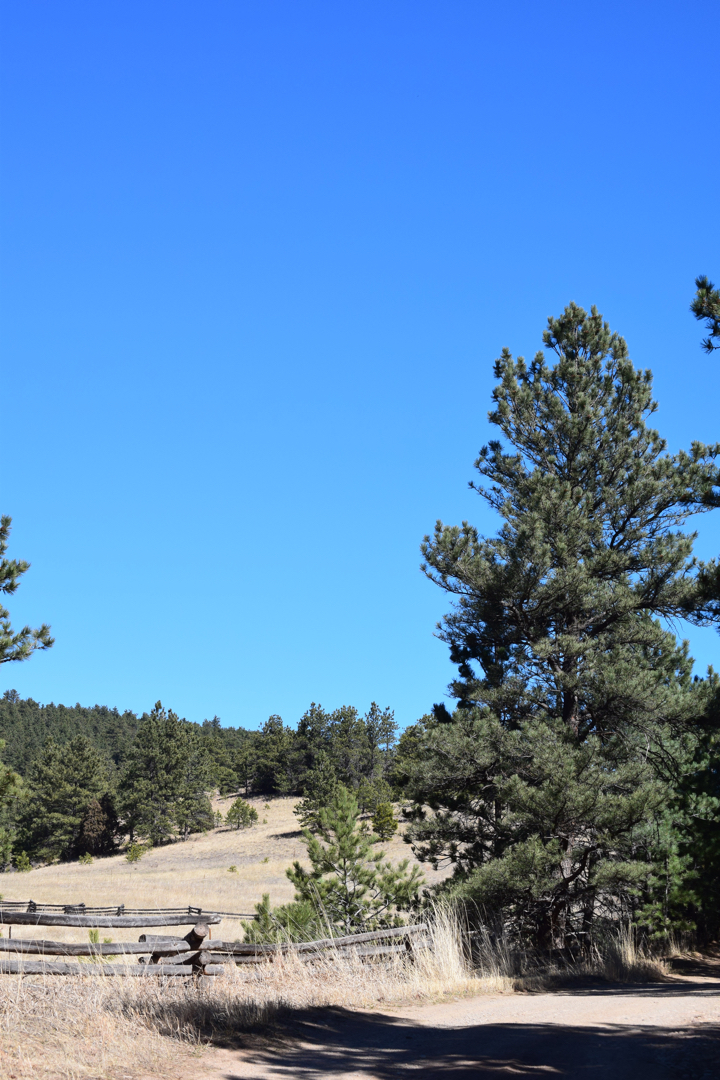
(157, 955)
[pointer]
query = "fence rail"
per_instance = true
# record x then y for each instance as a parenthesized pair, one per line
(192, 955)
(31, 907)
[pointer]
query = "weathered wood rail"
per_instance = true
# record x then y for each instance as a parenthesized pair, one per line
(43, 918)
(193, 960)
(158, 955)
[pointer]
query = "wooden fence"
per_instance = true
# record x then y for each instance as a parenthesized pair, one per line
(155, 955)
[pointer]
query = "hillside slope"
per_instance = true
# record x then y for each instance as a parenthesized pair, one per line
(192, 872)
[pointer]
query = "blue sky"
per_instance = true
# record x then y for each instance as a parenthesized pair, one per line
(257, 261)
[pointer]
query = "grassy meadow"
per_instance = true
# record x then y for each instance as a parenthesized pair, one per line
(195, 872)
(68, 1028)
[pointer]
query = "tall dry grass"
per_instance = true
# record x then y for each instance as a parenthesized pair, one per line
(68, 1028)
(619, 957)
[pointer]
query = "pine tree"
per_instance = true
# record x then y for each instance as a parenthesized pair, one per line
(275, 771)
(314, 735)
(162, 792)
(383, 821)
(351, 884)
(706, 305)
(192, 810)
(380, 728)
(217, 750)
(371, 792)
(575, 703)
(62, 784)
(10, 791)
(320, 785)
(241, 815)
(99, 827)
(20, 645)
(349, 745)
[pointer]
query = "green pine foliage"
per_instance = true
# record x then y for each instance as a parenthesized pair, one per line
(62, 787)
(25, 725)
(16, 646)
(320, 788)
(135, 851)
(99, 828)
(350, 883)
(577, 714)
(383, 821)
(275, 769)
(296, 921)
(371, 792)
(241, 815)
(163, 788)
(11, 790)
(706, 307)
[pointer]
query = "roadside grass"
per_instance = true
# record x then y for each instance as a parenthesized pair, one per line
(83, 1027)
(72, 1028)
(620, 959)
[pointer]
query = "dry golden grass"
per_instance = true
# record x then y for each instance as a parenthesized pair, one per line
(194, 872)
(72, 1028)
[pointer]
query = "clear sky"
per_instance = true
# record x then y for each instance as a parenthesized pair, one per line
(257, 261)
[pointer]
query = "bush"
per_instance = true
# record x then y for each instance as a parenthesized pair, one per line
(86, 859)
(22, 862)
(241, 815)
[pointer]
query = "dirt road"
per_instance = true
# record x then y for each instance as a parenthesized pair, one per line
(653, 1032)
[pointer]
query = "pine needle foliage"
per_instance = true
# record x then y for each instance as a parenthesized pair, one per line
(321, 786)
(20, 645)
(576, 705)
(163, 789)
(383, 821)
(66, 811)
(241, 815)
(706, 307)
(351, 883)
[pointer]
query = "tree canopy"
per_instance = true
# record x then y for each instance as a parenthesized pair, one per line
(577, 709)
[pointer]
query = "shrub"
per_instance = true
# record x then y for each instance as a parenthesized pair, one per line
(241, 815)
(86, 859)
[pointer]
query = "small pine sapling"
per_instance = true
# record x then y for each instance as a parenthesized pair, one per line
(383, 821)
(241, 815)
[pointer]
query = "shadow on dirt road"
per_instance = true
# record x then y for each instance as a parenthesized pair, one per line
(580, 1038)
(374, 1048)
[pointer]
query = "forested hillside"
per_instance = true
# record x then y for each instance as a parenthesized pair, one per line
(25, 725)
(93, 777)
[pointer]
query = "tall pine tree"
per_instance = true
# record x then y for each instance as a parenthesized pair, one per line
(163, 788)
(62, 786)
(575, 705)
